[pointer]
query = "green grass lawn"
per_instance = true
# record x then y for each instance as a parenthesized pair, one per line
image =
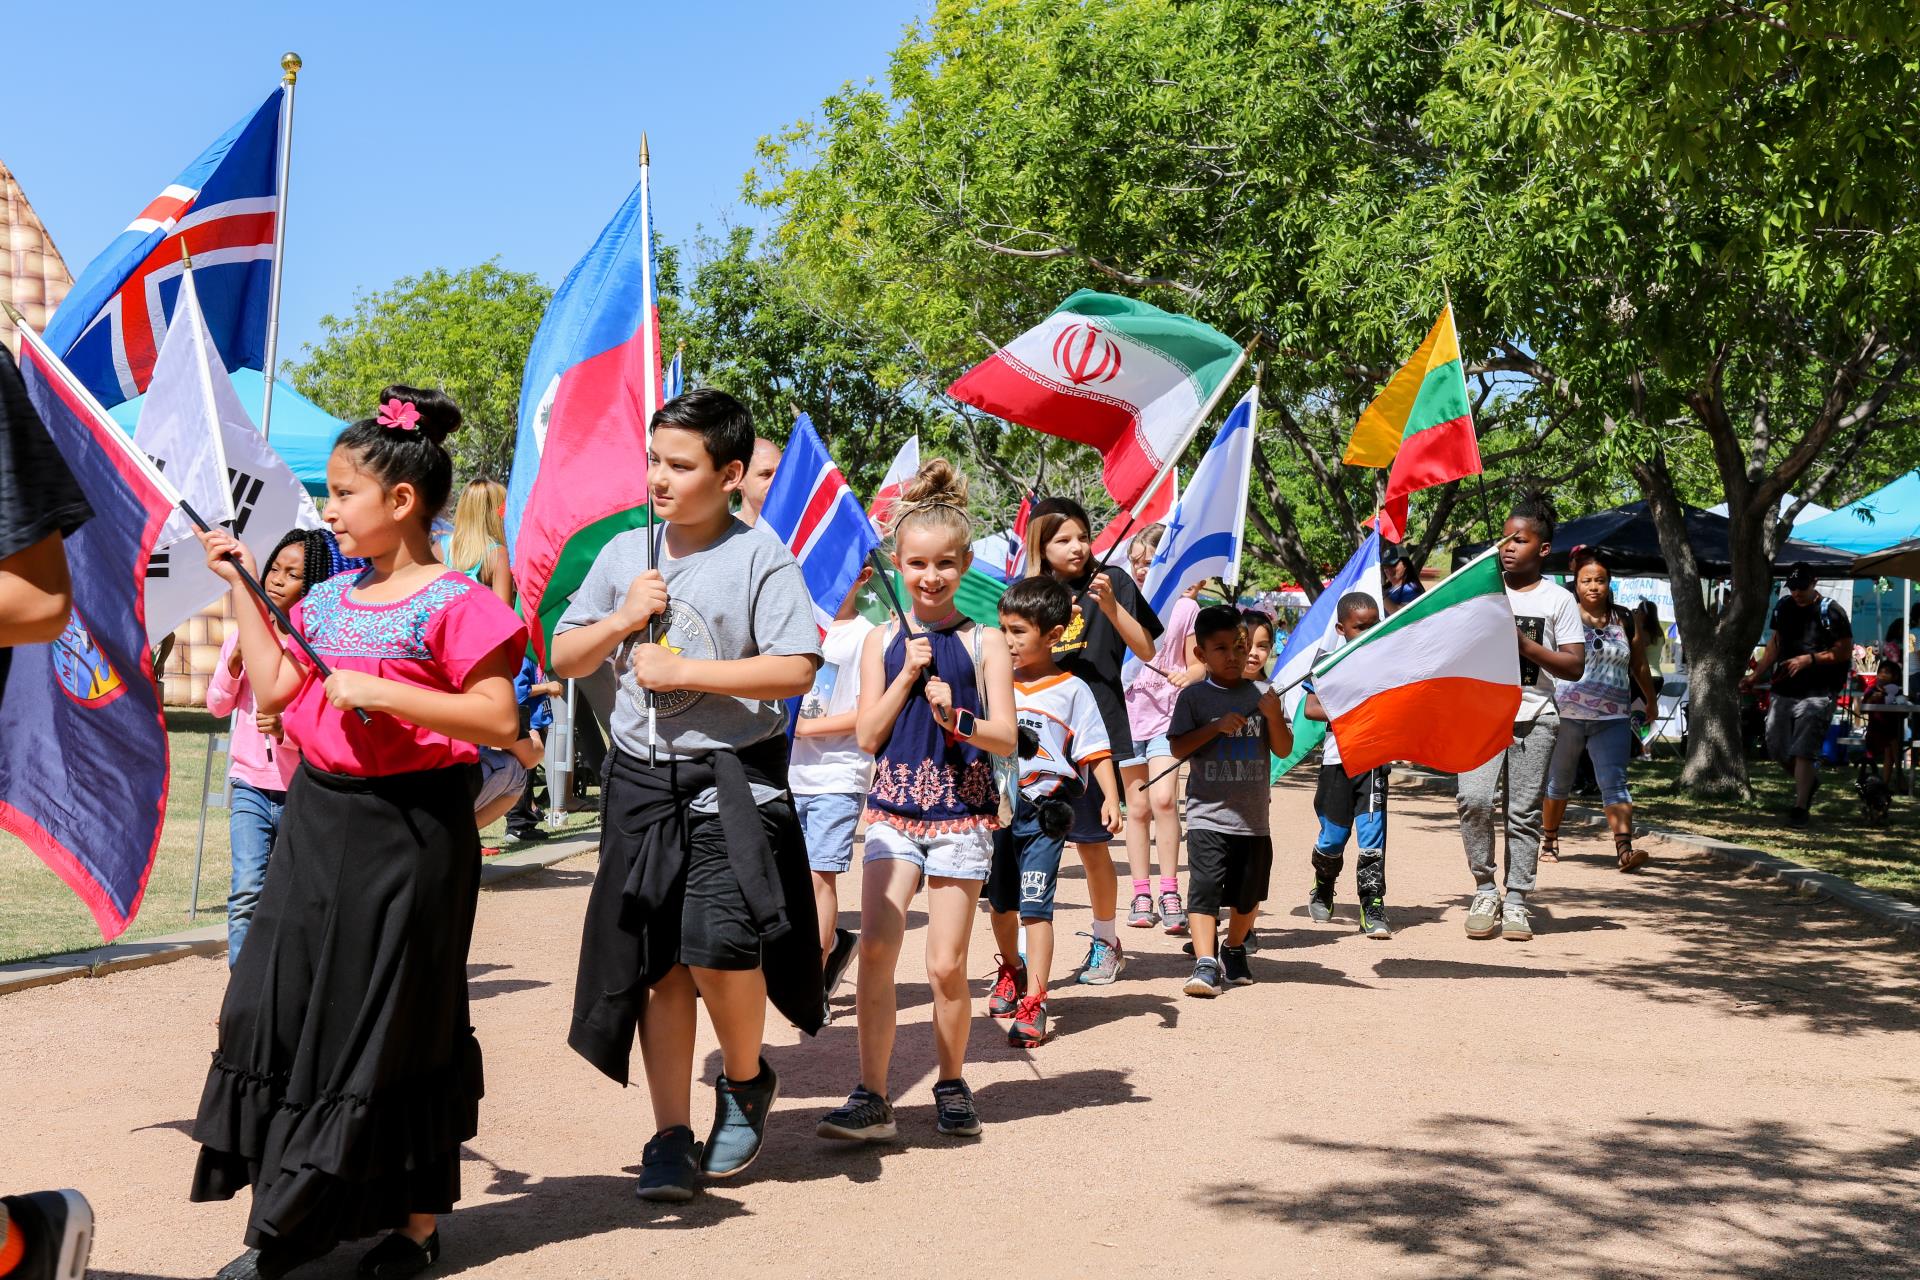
(1885, 859)
(40, 916)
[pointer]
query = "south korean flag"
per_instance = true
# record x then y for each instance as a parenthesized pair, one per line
(193, 427)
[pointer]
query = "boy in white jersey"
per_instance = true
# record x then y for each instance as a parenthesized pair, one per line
(1061, 735)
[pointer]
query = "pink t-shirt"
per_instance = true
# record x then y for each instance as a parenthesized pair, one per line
(254, 758)
(432, 639)
(1150, 696)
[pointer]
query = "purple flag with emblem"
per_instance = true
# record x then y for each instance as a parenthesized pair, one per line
(83, 779)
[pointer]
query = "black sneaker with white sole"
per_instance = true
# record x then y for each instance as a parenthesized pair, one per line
(864, 1117)
(1206, 981)
(1234, 967)
(954, 1113)
(669, 1167)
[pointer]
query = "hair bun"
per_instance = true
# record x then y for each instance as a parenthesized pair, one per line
(439, 418)
(936, 481)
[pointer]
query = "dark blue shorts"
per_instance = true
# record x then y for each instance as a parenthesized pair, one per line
(1026, 866)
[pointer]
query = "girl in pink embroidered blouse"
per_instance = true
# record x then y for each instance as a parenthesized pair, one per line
(347, 1073)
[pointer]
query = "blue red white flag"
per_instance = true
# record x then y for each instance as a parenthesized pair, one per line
(592, 384)
(673, 382)
(84, 777)
(224, 205)
(905, 465)
(811, 509)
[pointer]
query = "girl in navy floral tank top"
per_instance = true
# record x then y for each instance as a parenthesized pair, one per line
(935, 702)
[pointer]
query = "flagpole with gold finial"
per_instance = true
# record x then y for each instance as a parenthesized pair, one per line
(290, 68)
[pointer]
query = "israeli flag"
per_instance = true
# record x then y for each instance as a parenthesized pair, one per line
(1314, 636)
(1207, 530)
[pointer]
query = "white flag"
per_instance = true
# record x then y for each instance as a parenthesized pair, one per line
(180, 421)
(1209, 523)
(253, 491)
(906, 464)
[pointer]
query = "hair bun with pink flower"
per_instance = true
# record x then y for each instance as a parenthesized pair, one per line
(417, 413)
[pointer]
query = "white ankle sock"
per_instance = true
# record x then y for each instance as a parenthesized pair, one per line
(1106, 931)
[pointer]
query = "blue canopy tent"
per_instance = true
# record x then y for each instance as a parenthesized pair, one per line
(303, 432)
(1882, 518)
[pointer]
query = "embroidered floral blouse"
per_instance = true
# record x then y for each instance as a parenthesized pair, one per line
(432, 639)
(925, 782)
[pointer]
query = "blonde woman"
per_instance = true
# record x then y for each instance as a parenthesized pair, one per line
(478, 545)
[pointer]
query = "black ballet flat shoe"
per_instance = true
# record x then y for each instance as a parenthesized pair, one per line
(397, 1257)
(272, 1263)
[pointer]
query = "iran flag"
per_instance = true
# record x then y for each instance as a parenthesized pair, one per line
(1125, 377)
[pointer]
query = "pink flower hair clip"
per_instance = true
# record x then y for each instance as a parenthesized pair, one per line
(402, 414)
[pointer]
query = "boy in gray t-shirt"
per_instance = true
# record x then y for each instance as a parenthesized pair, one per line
(702, 891)
(1226, 728)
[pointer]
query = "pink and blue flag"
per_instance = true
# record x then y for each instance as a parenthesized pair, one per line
(811, 509)
(592, 384)
(224, 205)
(83, 780)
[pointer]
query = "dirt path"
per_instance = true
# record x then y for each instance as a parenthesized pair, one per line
(1685, 1074)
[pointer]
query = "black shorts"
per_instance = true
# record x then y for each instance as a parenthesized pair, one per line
(1227, 870)
(716, 930)
(1087, 828)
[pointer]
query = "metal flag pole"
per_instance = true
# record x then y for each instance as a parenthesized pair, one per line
(290, 66)
(649, 400)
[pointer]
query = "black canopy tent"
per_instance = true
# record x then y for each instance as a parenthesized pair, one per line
(1626, 537)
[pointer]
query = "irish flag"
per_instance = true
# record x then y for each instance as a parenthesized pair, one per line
(1421, 425)
(1437, 683)
(592, 383)
(1125, 377)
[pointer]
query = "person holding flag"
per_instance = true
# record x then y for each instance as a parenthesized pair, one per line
(347, 1075)
(702, 896)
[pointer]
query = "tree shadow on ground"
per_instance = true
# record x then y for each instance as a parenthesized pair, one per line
(1749, 946)
(1653, 1198)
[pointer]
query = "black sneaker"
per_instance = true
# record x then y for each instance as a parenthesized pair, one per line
(56, 1228)
(1233, 966)
(953, 1109)
(864, 1117)
(739, 1122)
(1320, 902)
(835, 971)
(1373, 919)
(397, 1257)
(1206, 981)
(1796, 817)
(668, 1167)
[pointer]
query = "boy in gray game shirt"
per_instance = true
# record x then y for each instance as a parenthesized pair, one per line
(1226, 727)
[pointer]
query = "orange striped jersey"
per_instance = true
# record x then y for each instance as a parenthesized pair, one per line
(1062, 726)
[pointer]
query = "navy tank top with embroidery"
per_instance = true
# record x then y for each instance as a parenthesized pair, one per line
(925, 781)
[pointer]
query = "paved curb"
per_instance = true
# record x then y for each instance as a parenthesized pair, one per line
(211, 939)
(1888, 912)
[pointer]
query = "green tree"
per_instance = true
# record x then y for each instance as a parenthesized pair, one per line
(465, 332)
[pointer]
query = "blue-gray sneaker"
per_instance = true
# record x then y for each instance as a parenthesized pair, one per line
(1103, 963)
(668, 1167)
(740, 1110)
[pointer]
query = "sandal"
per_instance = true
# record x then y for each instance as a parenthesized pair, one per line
(1625, 856)
(1550, 844)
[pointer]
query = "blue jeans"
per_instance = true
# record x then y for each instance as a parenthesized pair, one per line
(254, 819)
(1609, 742)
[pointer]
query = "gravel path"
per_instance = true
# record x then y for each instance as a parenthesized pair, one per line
(1685, 1074)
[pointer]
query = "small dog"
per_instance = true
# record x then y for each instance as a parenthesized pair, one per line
(1876, 797)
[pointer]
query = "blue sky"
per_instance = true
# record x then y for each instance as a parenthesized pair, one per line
(426, 134)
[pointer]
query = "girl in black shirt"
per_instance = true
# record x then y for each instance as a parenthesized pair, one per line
(1110, 618)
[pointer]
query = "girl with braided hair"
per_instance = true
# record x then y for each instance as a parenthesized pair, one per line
(261, 761)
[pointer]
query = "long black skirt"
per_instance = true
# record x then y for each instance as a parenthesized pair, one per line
(348, 1074)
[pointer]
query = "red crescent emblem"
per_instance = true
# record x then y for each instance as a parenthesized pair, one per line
(1085, 353)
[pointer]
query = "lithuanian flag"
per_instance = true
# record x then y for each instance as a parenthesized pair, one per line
(1421, 425)
(1437, 683)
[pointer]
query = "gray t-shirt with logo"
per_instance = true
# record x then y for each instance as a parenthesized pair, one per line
(738, 598)
(1227, 780)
